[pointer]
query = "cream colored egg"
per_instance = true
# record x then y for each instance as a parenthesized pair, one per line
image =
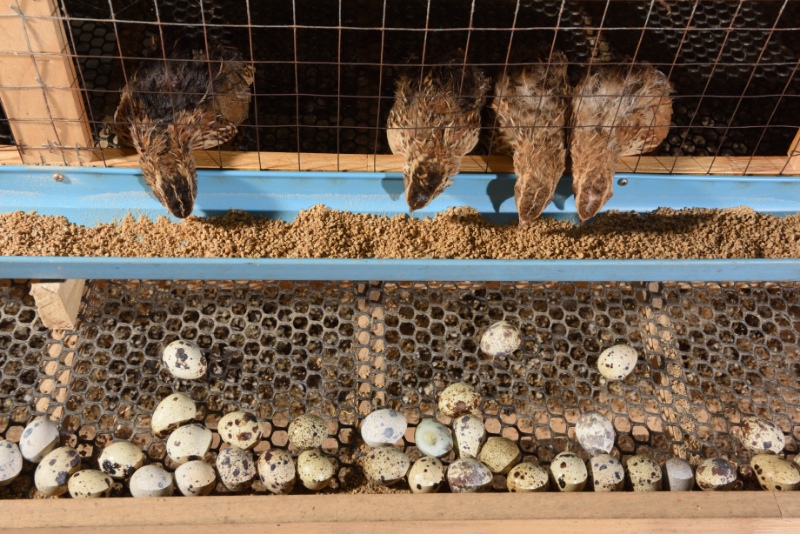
(90, 484)
(121, 459)
(468, 476)
(151, 481)
(308, 432)
(276, 470)
(500, 455)
(617, 362)
(500, 339)
(606, 473)
(774, 473)
(459, 399)
(595, 433)
(716, 474)
(188, 443)
(678, 475)
(762, 436)
(195, 478)
(185, 360)
(314, 470)
(469, 435)
(568, 472)
(10, 462)
(644, 473)
(527, 477)
(39, 438)
(236, 468)
(172, 412)
(432, 438)
(53, 472)
(426, 475)
(383, 427)
(385, 465)
(240, 429)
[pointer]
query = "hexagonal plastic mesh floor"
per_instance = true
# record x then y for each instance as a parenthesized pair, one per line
(709, 355)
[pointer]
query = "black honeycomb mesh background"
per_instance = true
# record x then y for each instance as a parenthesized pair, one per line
(710, 354)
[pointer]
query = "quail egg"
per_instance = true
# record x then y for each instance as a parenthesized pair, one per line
(568, 472)
(10, 462)
(606, 473)
(432, 438)
(677, 475)
(762, 436)
(468, 476)
(644, 473)
(240, 429)
(716, 474)
(458, 399)
(617, 362)
(236, 468)
(469, 435)
(121, 459)
(595, 433)
(774, 473)
(39, 438)
(185, 360)
(385, 465)
(426, 475)
(151, 481)
(277, 471)
(54, 470)
(90, 484)
(527, 477)
(500, 455)
(314, 470)
(195, 478)
(172, 412)
(383, 427)
(307, 432)
(187, 443)
(500, 339)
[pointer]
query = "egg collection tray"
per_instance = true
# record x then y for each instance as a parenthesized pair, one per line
(710, 354)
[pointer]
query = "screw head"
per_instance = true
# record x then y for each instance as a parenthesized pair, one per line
(622, 182)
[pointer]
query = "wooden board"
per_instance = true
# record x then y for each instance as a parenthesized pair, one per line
(38, 85)
(794, 154)
(57, 302)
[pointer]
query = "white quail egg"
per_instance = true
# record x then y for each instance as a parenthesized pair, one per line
(236, 468)
(54, 470)
(595, 433)
(277, 471)
(195, 478)
(459, 398)
(188, 443)
(606, 473)
(527, 477)
(185, 360)
(90, 484)
(500, 455)
(762, 436)
(307, 432)
(39, 438)
(385, 465)
(426, 475)
(314, 470)
(240, 429)
(469, 435)
(466, 475)
(500, 339)
(678, 475)
(644, 473)
(383, 427)
(774, 473)
(432, 438)
(568, 472)
(151, 481)
(10, 462)
(121, 459)
(716, 474)
(172, 412)
(617, 362)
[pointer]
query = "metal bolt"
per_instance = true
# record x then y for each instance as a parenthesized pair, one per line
(622, 182)
(58, 177)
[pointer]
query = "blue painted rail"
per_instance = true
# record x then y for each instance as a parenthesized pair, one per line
(91, 196)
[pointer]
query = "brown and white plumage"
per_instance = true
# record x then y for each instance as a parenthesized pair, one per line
(434, 122)
(531, 109)
(190, 102)
(616, 111)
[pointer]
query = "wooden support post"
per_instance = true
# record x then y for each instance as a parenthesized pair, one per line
(794, 155)
(58, 302)
(38, 86)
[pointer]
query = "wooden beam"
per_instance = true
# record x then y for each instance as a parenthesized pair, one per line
(794, 155)
(38, 86)
(57, 302)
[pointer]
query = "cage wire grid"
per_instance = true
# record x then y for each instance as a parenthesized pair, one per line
(710, 354)
(325, 70)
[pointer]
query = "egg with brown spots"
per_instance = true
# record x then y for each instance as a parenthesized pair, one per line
(468, 476)
(39, 438)
(121, 459)
(527, 477)
(188, 443)
(644, 473)
(195, 478)
(459, 399)
(90, 484)
(426, 475)
(762, 436)
(307, 432)
(236, 468)
(175, 410)
(606, 473)
(469, 434)
(716, 474)
(774, 473)
(500, 455)
(385, 465)
(276, 470)
(151, 481)
(568, 472)
(500, 339)
(617, 362)
(240, 429)
(53, 472)
(185, 360)
(314, 470)
(595, 433)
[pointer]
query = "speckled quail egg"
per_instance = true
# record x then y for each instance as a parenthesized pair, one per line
(466, 475)
(195, 478)
(236, 468)
(240, 429)
(432, 438)
(383, 427)
(762, 436)
(716, 474)
(677, 475)
(385, 465)
(121, 459)
(39, 438)
(500, 455)
(187, 443)
(314, 470)
(527, 477)
(500, 339)
(617, 362)
(469, 435)
(774, 473)
(10, 462)
(595, 433)
(458, 399)
(172, 412)
(54, 470)
(277, 471)
(90, 484)
(151, 481)
(568, 472)
(426, 475)
(644, 473)
(185, 360)
(307, 432)
(606, 473)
